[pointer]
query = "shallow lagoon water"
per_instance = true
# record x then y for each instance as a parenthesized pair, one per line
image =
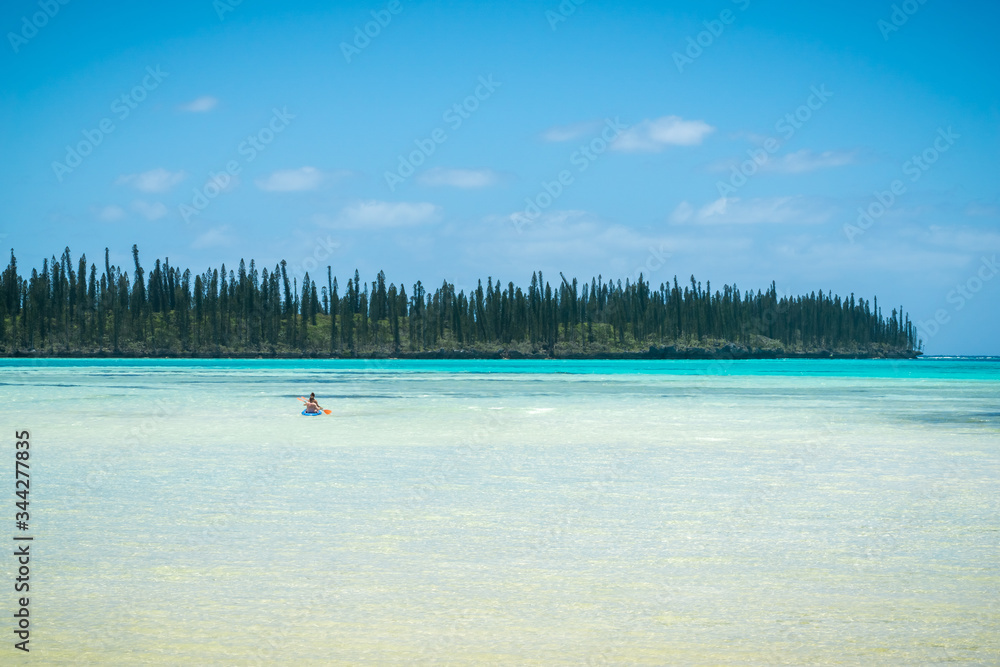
(586, 512)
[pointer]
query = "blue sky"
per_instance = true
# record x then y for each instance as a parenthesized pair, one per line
(737, 141)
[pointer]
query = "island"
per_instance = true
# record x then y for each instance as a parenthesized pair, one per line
(67, 309)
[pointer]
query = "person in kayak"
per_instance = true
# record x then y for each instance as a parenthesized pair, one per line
(312, 407)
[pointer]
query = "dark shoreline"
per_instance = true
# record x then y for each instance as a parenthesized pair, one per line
(727, 353)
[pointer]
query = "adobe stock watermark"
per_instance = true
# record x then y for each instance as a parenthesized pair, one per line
(915, 168)
(901, 13)
(122, 107)
(249, 149)
(786, 126)
(363, 35)
(223, 7)
(959, 297)
(565, 9)
(706, 38)
(581, 158)
(454, 116)
(323, 249)
(30, 25)
(655, 261)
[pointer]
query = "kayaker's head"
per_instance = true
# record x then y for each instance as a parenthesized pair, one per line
(312, 396)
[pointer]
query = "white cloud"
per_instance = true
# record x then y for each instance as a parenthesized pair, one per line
(764, 210)
(213, 238)
(683, 212)
(790, 163)
(980, 210)
(806, 160)
(292, 180)
(969, 240)
(579, 243)
(571, 132)
(200, 105)
(652, 136)
(373, 214)
(151, 212)
(155, 180)
(546, 219)
(458, 178)
(716, 208)
(110, 213)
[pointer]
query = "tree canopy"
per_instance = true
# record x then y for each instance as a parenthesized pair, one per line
(68, 307)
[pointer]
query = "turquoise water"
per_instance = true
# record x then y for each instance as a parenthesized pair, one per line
(982, 368)
(591, 512)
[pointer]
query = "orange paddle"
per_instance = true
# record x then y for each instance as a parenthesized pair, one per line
(325, 411)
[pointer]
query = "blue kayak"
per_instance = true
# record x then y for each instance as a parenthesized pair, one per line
(312, 414)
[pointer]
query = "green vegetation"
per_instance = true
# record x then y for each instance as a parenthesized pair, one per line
(70, 310)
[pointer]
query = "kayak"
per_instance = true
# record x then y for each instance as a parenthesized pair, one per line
(312, 414)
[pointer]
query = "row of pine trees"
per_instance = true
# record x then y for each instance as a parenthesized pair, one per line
(68, 307)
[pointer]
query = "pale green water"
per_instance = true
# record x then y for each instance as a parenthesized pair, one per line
(696, 513)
